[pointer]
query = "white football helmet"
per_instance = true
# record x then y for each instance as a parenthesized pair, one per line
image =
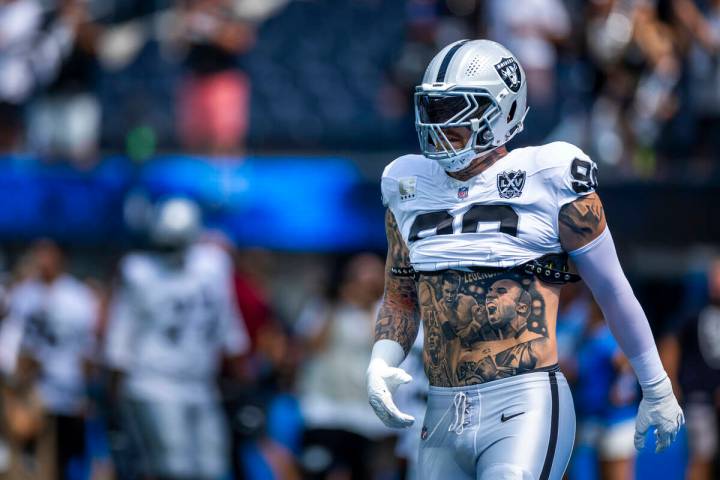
(477, 84)
(176, 223)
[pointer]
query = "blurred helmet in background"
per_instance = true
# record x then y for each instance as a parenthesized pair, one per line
(176, 223)
(474, 84)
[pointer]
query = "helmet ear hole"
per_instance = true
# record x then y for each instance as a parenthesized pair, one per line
(511, 115)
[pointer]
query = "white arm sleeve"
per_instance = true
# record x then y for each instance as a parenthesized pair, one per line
(599, 267)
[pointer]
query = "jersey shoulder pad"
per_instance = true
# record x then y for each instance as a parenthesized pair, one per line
(136, 269)
(400, 177)
(570, 170)
(209, 259)
(76, 287)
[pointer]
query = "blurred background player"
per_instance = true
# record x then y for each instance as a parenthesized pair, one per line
(692, 353)
(605, 395)
(56, 317)
(172, 321)
(341, 431)
(414, 401)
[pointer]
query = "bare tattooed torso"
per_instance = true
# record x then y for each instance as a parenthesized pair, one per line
(481, 325)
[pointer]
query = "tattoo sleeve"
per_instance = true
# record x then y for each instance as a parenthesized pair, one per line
(399, 315)
(581, 221)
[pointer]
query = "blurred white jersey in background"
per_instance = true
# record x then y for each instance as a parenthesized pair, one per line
(56, 324)
(170, 325)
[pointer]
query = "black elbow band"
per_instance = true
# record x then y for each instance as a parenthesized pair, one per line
(408, 272)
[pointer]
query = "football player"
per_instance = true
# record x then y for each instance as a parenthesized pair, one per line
(508, 223)
(55, 316)
(172, 320)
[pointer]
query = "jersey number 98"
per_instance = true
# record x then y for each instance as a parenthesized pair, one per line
(441, 222)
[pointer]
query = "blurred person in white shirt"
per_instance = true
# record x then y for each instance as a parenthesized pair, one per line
(341, 429)
(53, 319)
(532, 33)
(172, 320)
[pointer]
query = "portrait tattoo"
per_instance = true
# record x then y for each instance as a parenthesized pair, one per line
(581, 221)
(480, 326)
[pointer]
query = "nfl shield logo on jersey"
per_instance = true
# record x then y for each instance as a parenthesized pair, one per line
(510, 183)
(462, 193)
(509, 71)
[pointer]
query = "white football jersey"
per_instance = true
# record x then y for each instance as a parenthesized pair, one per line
(169, 326)
(503, 217)
(56, 323)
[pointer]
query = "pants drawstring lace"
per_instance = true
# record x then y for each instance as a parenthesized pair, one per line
(462, 409)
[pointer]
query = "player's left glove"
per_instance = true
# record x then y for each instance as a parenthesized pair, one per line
(382, 380)
(658, 409)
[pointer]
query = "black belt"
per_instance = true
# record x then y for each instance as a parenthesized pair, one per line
(542, 268)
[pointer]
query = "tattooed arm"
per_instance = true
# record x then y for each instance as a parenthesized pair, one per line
(585, 236)
(581, 222)
(399, 315)
(395, 331)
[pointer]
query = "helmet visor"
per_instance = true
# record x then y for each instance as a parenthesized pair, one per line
(450, 108)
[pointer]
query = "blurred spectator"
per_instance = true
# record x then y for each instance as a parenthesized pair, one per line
(533, 33)
(266, 424)
(412, 399)
(20, 22)
(342, 431)
(250, 283)
(572, 320)
(172, 320)
(638, 69)
(214, 99)
(57, 317)
(30, 451)
(64, 119)
(700, 23)
(33, 47)
(605, 394)
(692, 356)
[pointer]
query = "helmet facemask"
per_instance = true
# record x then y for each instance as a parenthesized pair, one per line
(437, 111)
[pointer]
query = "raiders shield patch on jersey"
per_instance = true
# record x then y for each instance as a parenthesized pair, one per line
(509, 71)
(510, 183)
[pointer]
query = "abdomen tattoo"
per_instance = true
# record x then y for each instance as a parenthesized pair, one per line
(482, 326)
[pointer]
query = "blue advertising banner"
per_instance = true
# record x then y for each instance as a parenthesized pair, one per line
(296, 204)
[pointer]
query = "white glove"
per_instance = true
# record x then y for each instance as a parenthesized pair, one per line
(382, 381)
(658, 409)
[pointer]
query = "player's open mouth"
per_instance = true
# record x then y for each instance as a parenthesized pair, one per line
(491, 308)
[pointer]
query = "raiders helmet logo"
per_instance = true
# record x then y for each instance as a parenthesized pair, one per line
(510, 183)
(509, 71)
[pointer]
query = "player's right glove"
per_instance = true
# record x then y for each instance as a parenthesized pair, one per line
(658, 409)
(382, 381)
